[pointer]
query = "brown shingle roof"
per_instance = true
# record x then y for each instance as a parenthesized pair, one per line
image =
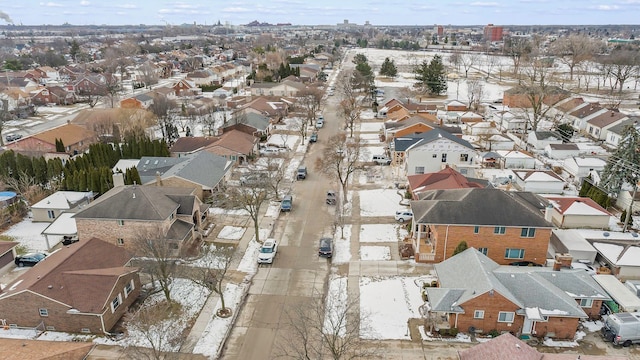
(41, 350)
(191, 144)
(606, 118)
(233, 142)
(503, 347)
(6, 246)
(69, 134)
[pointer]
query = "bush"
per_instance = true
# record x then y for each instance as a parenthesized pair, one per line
(443, 332)
(493, 333)
(453, 332)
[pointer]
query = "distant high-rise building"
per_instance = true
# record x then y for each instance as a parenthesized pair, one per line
(438, 29)
(493, 33)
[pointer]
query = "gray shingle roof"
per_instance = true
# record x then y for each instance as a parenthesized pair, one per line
(203, 168)
(477, 206)
(135, 202)
(402, 143)
(257, 121)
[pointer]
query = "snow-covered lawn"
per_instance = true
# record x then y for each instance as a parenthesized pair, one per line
(337, 306)
(375, 253)
(231, 232)
(379, 202)
(370, 136)
(428, 336)
(386, 304)
(283, 140)
(216, 331)
(273, 210)
(382, 233)
(249, 262)
(373, 127)
(28, 234)
(221, 211)
(342, 247)
(367, 151)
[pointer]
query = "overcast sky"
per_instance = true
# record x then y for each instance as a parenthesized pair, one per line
(321, 12)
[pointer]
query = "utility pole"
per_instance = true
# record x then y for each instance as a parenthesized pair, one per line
(630, 210)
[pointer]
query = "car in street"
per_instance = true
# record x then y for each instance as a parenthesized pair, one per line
(267, 252)
(403, 215)
(30, 259)
(13, 137)
(524, 263)
(313, 137)
(287, 203)
(301, 174)
(325, 247)
(319, 123)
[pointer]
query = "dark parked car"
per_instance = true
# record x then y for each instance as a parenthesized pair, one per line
(29, 259)
(524, 263)
(326, 247)
(314, 137)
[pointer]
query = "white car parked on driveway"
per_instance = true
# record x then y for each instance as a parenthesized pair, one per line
(267, 252)
(404, 215)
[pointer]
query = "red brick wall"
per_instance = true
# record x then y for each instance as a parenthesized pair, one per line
(492, 305)
(450, 236)
(109, 230)
(110, 319)
(562, 328)
(594, 311)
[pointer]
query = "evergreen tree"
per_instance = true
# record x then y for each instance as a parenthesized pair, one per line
(431, 76)
(623, 167)
(462, 246)
(388, 68)
(59, 145)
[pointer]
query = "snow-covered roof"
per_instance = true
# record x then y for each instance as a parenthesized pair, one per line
(573, 241)
(123, 164)
(589, 162)
(62, 200)
(65, 224)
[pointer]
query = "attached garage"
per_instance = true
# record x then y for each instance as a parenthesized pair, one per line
(7, 254)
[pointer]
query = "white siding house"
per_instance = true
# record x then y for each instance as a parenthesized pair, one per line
(438, 149)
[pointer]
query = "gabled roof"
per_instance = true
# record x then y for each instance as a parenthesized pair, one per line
(538, 175)
(587, 110)
(572, 205)
(447, 178)
(189, 144)
(487, 207)
(135, 202)
(503, 347)
(74, 275)
(203, 168)
(569, 104)
(568, 146)
(433, 135)
(256, 121)
(547, 135)
(69, 134)
(233, 142)
(606, 118)
(619, 128)
(62, 200)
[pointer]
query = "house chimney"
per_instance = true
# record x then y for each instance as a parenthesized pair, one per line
(548, 215)
(158, 179)
(118, 179)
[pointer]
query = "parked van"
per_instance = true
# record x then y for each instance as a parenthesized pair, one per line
(622, 328)
(381, 160)
(287, 203)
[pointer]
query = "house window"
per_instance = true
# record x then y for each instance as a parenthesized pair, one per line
(478, 314)
(528, 232)
(43, 312)
(586, 303)
(85, 330)
(506, 317)
(499, 230)
(476, 229)
(120, 241)
(464, 157)
(115, 303)
(419, 170)
(444, 157)
(51, 214)
(128, 288)
(514, 254)
(484, 251)
(120, 222)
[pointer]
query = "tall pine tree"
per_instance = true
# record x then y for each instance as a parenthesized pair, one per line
(431, 76)
(388, 68)
(623, 167)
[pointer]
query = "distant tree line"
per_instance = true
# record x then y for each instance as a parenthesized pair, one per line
(87, 172)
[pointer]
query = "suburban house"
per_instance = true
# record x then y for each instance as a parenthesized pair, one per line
(614, 133)
(455, 105)
(582, 114)
(76, 139)
(235, 146)
(415, 124)
(520, 96)
(446, 178)
(184, 87)
(478, 295)
(597, 126)
(123, 214)
(505, 226)
(395, 109)
(540, 139)
(509, 347)
(621, 256)
(274, 108)
(581, 167)
(577, 212)
(436, 149)
(508, 121)
(202, 170)
(84, 287)
(623, 200)
(514, 159)
(140, 101)
(539, 181)
(284, 88)
(49, 208)
(495, 142)
(562, 151)
(251, 123)
(53, 95)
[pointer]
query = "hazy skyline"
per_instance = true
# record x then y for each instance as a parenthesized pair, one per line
(326, 12)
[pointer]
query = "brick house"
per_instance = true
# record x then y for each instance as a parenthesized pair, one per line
(53, 95)
(76, 139)
(140, 101)
(49, 208)
(446, 178)
(84, 287)
(520, 96)
(505, 226)
(476, 294)
(123, 213)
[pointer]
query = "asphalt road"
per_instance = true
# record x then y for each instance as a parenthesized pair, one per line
(298, 273)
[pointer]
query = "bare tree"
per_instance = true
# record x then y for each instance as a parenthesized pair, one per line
(340, 160)
(621, 65)
(518, 49)
(325, 328)
(310, 100)
(212, 270)
(251, 196)
(349, 108)
(162, 108)
(148, 75)
(492, 62)
(574, 49)
(475, 90)
(157, 256)
(276, 175)
(455, 60)
(468, 60)
(156, 334)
